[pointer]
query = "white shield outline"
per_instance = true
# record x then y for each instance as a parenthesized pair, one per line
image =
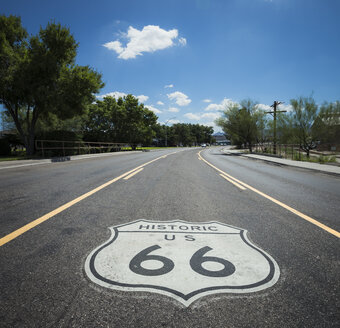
(185, 299)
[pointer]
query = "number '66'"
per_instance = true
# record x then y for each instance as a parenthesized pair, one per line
(196, 262)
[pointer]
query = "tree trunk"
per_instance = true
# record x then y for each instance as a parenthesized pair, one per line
(29, 144)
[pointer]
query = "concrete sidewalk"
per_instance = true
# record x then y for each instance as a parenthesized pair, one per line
(324, 168)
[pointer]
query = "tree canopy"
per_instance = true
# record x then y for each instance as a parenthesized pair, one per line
(38, 76)
(122, 120)
(243, 123)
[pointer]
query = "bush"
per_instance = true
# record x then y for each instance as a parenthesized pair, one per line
(5, 148)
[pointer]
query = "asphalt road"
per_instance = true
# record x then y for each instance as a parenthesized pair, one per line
(46, 278)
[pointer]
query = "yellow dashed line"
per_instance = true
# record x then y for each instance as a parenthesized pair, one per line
(133, 173)
(296, 212)
(233, 182)
(31, 225)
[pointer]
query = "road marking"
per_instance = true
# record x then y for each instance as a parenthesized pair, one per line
(31, 225)
(71, 158)
(233, 182)
(183, 260)
(21, 165)
(133, 173)
(296, 212)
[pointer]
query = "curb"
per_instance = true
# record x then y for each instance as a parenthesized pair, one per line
(23, 163)
(286, 164)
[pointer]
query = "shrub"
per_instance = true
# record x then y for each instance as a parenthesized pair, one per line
(5, 148)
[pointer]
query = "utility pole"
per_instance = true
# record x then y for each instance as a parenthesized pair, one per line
(276, 103)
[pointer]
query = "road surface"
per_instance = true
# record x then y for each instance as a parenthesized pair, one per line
(197, 240)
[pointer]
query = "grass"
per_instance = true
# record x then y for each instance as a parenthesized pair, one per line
(299, 156)
(313, 159)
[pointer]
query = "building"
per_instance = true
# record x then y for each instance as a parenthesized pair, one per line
(221, 139)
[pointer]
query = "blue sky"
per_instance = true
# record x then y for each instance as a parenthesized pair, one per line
(187, 59)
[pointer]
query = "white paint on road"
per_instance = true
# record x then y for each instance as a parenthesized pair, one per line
(183, 260)
(285, 206)
(22, 165)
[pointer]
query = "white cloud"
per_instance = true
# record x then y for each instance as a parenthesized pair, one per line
(288, 108)
(173, 110)
(142, 98)
(264, 107)
(211, 116)
(118, 94)
(169, 86)
(115, 94)
(221, 106)
(268, 108)
(207, 100)
(192, 116)
(180, 98)
(173, 121)
(202, 117)
(182, 41)
(214, 126)
(160, 103)
(154, 109)
(151, 38)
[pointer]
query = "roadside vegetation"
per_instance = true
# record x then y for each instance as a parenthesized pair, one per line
(45, 95)
(307, 132)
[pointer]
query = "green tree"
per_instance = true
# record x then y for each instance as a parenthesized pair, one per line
(326, 127)
(304, 115)
(186, 134)
(38, 76)
(122, 120)
(243, 123)
(284, 127)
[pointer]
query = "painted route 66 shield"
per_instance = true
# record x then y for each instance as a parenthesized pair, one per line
(180, 259)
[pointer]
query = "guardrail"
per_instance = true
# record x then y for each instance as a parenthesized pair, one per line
(67, 148)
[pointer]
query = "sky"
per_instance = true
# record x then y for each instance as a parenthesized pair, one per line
(186, 60)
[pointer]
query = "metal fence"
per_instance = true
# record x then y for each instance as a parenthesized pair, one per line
(290, 151)
(285, 151)
(67, 148)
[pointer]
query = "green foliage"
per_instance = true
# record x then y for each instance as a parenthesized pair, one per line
(326, 159)
(5, 148)
(327, 125)
(244, 124)
(305, 113)
(122, 120)
(38, 76)
(184, 134)
(284, 129)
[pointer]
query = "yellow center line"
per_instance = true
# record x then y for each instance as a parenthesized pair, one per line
(32, 224)
(296, 212)
(133, 173)
(233, 182)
